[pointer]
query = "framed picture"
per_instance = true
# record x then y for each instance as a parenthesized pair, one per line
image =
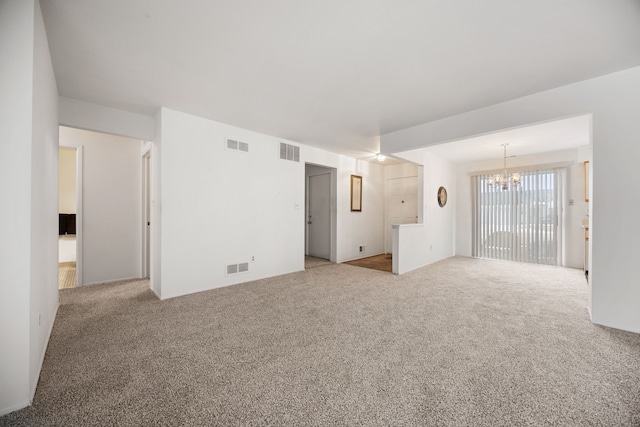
(356, 193)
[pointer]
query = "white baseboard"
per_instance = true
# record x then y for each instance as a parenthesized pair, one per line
(10, 409)
(113, 281)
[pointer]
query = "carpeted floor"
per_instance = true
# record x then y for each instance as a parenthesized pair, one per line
(381, 262)
(464, 342)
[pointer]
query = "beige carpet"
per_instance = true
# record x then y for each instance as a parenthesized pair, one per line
(464, 342)
(67, 275)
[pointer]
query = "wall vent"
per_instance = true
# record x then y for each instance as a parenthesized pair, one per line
(289, 152)
(237, 268)
(235, 145)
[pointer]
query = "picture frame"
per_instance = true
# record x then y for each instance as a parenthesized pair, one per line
(356, 193)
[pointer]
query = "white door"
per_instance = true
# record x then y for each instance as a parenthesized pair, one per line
(319, 216)
(402, 205)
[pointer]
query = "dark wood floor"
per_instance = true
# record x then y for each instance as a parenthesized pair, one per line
(377, 262)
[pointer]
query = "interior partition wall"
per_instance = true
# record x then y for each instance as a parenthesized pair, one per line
(522, 223)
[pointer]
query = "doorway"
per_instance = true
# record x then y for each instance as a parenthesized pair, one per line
(320, 214)
(402, 205)
(69, 217)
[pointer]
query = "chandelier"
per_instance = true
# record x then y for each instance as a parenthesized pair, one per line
(505, 179)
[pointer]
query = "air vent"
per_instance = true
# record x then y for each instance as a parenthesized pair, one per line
(237, 268)
(234, 145)
(289, 152)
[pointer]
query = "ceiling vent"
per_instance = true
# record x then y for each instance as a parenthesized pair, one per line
(289, 152)
(235, 145)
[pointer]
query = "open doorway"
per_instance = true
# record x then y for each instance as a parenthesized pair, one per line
(401, 204)
(108, 195)
(69, 212)
(320, 215)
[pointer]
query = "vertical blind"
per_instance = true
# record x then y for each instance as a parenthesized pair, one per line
(522, 223)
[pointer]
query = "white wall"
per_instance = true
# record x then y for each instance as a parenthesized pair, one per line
(67, 181)
(85, 115)
(44, 201)
(573, 232)
(614, 102)
(16, 86)
(111, 223)
(435, 239)
(401, 170)
(155, 215)
(28, 185)
(221, 207)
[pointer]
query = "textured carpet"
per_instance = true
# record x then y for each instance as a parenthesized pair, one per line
(464, 342)
(382, 262)
(67, 275)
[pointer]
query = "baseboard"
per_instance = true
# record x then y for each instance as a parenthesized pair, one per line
(124, 279)
(155, 293)
(10, 409)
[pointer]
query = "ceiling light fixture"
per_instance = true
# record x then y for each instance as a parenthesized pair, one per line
(380, 157)
(505, 179)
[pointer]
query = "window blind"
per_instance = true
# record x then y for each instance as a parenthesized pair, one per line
(522, 223)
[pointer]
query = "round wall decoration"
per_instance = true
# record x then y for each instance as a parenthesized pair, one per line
(442, 196)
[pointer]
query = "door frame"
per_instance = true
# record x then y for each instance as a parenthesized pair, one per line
(145, 213)
(333, 197)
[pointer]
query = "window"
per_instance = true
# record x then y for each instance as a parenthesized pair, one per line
(522, 223)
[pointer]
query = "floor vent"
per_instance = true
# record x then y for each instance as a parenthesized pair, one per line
(289, 152)
(234, 145)
(237, 268)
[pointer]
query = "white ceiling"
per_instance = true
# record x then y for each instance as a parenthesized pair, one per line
(540, 138)
(334, 73)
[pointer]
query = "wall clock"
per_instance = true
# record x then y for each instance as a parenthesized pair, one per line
(442, 196)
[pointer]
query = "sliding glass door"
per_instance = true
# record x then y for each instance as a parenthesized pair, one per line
(522, 223)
